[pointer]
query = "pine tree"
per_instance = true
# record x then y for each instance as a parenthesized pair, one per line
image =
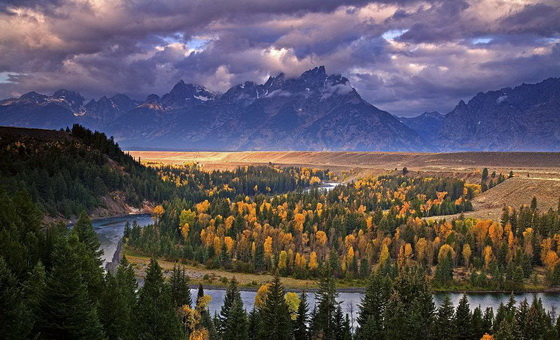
(477, 324)
(445, 324)
(300, 328)
(34, 289)
(463, 319)
(156, 317)
(322, 323)
(488, 320)
(410, 310)
(254, 324)
(90, 257)
(86, 235)
(275, 314)
(180, 289)
(66, 312)
(372, 308)
(113, 310)
(235, 326)
(15, 317)
(232, 295)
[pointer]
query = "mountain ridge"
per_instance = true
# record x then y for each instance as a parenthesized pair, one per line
(315, 111)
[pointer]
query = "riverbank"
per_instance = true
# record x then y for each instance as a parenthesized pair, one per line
(219, 279)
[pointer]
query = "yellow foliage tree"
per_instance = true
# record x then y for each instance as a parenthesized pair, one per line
(551, 259)
(158, 212)
(260, 298)
(292, 300)
(384, 256)
(282, 260)
(350, 256)
(185, 231)
(444, 251)
(321, 238)
(313, 264)
(421, 250)
(488, 255)
(467, 253)
(268, 247)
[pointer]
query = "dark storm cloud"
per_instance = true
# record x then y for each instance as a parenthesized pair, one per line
(405, 56)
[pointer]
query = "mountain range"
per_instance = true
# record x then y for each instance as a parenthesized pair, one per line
(315, 111)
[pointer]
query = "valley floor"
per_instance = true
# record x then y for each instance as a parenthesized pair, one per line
(537, 174)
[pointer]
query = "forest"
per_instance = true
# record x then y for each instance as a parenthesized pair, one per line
(52, 286)
(384, 233)
(385, 222)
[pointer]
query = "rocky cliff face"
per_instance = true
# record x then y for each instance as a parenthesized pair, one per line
(525, 118)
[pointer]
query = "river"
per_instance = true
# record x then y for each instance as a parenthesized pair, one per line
(110, 231)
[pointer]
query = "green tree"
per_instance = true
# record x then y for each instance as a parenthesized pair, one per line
(410, 310)
(300, 327)
(180, 289)
(276, 323)
(156, 317)
(232, 295)
(372, 308)
(90, 257)
(66, 312)
(445, 325)
(534, 203)
(235, 326)
(15, 318)
(463, 319)
(323, 320)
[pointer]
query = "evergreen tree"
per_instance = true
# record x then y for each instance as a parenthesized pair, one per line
(180, 289)
(66, 312)
(15, 318)
(410, 310)
(300, 328)
(254, 324)
(156, 317)
(114, 309)
(90, 257)
(232, 295)
(445, 325)
(372, 308)
(322, 323)
(463, 319)
(275, 314)
(235, 326)
(534, 203)
(86, 235)
(477, 324)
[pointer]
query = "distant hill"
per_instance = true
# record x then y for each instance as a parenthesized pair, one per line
(314, 112)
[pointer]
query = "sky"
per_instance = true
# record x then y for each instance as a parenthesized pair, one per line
(402, 56)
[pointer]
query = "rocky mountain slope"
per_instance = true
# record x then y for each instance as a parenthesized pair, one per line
(315, 111)
(525, 118)
(427, 125)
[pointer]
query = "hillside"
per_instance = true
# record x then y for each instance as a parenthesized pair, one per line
(66, 172)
